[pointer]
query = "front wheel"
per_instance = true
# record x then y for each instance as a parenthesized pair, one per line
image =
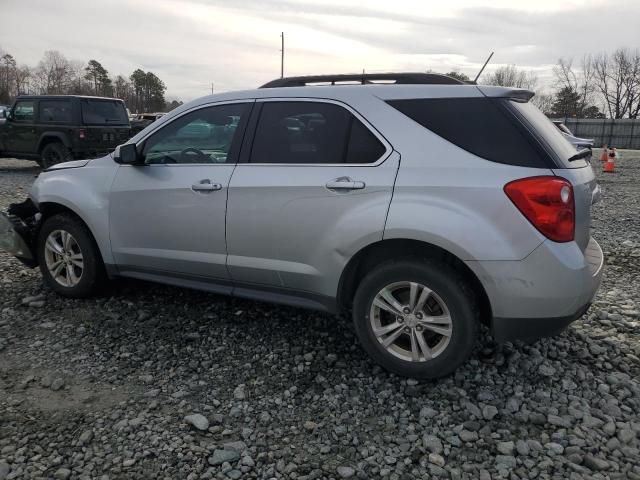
(416, 318)
(69, 258)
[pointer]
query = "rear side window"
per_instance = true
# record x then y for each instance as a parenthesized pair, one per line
(482, 126)
(55, 111)
(548, 133)
(363, 146)
(312, 133)
(104, 112)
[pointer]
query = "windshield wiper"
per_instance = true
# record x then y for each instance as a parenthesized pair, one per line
(584, 153)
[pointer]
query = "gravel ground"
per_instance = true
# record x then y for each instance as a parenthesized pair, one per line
(150, 381)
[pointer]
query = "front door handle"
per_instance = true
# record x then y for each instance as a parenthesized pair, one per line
(345, 183)
(205, 186)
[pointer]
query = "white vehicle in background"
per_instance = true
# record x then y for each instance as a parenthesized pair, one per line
(579, 143)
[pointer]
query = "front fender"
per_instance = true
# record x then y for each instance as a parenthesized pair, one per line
(84, 191)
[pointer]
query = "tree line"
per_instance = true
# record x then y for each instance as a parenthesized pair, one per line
(56, 75)
(602, 85)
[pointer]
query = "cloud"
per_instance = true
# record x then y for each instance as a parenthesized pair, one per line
(235, 45)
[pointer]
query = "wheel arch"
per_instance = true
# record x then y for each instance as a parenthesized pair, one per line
(49, 209)
(52, 137)
(373, 254)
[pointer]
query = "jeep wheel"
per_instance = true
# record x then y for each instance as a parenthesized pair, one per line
(417, 318)
(69, 258)
(53, 153)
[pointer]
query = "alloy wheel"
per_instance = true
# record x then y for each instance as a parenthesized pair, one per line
(63, 257)
(411, 321)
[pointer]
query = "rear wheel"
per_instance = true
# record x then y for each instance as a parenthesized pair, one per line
(416, 318)
(54, 153)
(69, 259)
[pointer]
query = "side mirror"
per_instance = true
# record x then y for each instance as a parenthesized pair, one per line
(5, 114)
(127, 154)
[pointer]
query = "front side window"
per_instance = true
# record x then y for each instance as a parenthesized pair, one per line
(312, 133)
(23, 111)
(104, 112)
(208, 135)
(55, 111)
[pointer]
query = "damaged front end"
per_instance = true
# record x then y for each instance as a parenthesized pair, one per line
(18, 231)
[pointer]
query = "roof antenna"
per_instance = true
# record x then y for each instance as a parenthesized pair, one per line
(475, 80)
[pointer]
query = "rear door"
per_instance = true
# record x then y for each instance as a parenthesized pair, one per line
(167, 217)
(314, 186)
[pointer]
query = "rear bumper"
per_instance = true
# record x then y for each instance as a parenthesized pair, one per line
(508, 329)
(543, 293)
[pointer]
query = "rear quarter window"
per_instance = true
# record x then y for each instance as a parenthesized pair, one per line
(103, 112)
(482, 126)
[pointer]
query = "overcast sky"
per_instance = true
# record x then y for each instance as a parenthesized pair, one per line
(236, 43)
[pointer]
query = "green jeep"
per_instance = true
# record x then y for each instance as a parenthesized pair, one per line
(57, 128)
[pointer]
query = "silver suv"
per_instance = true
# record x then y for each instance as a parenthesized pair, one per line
(423, 206)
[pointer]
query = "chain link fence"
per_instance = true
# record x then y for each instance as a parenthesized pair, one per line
(621, 133)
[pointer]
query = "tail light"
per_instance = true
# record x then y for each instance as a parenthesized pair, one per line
(547, 202)
(81, 134)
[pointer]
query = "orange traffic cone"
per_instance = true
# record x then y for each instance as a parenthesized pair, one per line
(604, 156)
(610, 165)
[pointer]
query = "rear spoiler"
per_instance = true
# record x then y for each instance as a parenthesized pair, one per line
(516, 94)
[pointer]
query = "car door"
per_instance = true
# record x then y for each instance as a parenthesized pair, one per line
(315, 187)
(167, 216)
(21, 135)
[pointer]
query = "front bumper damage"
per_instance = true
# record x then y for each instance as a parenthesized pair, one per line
(18, 231)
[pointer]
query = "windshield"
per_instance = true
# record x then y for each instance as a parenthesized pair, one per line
(104, 112)
(547, 131)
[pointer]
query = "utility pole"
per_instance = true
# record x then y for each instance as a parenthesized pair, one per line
(282, 56)
(211, 88)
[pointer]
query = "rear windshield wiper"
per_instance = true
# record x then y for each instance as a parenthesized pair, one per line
(584, 153)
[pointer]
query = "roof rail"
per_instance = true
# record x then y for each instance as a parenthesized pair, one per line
(366, 78)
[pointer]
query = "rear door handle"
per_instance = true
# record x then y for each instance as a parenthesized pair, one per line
(345, 183)
(205, 186)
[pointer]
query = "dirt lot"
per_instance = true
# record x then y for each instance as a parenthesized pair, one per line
(100, 388)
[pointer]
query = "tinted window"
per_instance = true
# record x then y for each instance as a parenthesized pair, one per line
(548, 133)
(58, 111)
(363, 146)
(104, 112)
(482, 126)
(23, 111)
(207, 135)
(312, 132)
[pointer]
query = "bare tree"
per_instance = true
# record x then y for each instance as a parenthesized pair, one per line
(512, 76)
(618, 81)
(53, 74)
(580, 80)
(544, 101)
(22, 77)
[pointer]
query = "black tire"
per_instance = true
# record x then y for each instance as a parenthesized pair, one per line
(449, 286)
(54, 153)
(92, 276)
